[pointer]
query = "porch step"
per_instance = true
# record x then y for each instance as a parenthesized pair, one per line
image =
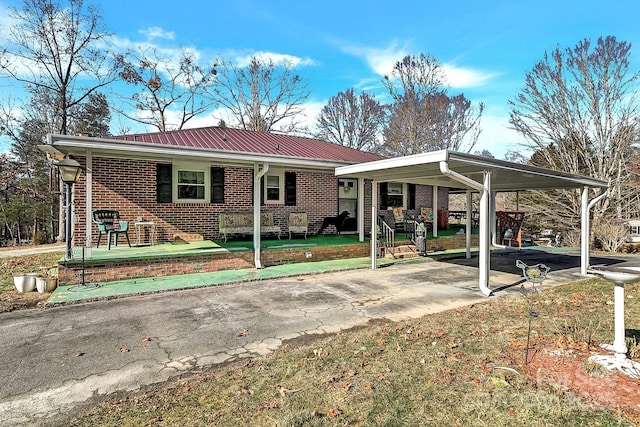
(188, 237)
(403, 251)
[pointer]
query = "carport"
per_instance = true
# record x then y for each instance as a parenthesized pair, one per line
(482, 175)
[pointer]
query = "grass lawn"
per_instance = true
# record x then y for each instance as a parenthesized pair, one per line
(464, 367)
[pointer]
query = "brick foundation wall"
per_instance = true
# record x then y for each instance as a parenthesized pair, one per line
(450, 242)
(70, 273)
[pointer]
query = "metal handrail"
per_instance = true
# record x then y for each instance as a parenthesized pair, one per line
(388, 236)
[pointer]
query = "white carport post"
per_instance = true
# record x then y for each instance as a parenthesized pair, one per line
(484, 238)
(434, 226)
(468, 228)
(257, 190)
(585, 228)
(374, 222)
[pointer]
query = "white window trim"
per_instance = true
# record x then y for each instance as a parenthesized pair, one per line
(405, 191)
(192, 167)
(280, 175)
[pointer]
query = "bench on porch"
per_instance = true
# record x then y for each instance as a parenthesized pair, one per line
(242, 223)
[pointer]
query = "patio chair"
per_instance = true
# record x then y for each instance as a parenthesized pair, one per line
(123, 228)
(298, 223)
(106, 221)
(398, 219)
(427, 214)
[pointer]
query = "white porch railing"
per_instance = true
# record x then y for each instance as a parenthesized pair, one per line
(387, 237)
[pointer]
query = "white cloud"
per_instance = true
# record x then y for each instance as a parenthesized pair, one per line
(380, 60)
(242, 60)
(497, 137)
(157, 33)
(465, 77)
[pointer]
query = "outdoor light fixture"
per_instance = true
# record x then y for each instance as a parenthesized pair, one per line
(69, 172)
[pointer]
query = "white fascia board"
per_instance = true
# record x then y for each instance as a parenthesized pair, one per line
(127, 149)
(396, 162)
(488, 163)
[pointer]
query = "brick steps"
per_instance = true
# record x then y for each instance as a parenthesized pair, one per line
(403, 251)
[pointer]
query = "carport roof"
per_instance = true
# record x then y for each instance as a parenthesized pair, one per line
(505, 176)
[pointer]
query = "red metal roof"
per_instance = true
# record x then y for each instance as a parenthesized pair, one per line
(237, 140)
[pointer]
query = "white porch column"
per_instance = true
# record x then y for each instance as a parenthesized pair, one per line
(257, 191)
(374, 222)
(469, 221)
(361, 210)
(492, 218)
(584, 232)
(484, 238)
(88, 201)
(435, 211)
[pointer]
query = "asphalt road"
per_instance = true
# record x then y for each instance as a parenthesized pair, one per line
(56, 360)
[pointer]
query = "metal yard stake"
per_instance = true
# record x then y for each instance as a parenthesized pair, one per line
(533, 274)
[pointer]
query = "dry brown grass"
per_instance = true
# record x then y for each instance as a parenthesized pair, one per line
(10, 298)
(463, 367)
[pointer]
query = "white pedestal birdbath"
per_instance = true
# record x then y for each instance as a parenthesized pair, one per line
(619, 276)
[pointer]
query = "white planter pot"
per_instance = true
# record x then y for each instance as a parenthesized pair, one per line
(46, 284)
(25, 283)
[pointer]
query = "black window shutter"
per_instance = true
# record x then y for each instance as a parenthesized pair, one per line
(289, 188)
(164, 184)
(217, 185)
(412, 197)
(383, 195)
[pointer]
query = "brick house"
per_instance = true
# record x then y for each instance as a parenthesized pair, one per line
(182, 180)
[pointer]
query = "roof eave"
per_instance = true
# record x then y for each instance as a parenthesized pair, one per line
(78, 145)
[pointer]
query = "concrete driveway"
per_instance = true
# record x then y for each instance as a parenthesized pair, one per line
(57, 359)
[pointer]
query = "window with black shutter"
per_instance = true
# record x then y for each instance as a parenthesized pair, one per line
(217, 185)
(164, 183)
(383, 195)
(412, 197)
(289, 188)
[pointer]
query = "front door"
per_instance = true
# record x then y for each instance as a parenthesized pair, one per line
(348, 201)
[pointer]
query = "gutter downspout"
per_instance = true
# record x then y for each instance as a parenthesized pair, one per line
(585, 228)
(257, 190)
(468, 228)
(483, 244)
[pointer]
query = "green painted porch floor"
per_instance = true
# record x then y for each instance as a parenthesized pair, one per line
(116, 289)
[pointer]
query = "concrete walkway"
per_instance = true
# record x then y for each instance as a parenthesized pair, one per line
(57, 359)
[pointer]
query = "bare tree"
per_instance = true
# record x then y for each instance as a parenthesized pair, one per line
(423, 116)
(57, 47)
(263, 95)
(352, 120)
(579, 113)
(172, 90)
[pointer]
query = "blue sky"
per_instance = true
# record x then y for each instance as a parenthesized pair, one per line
(485, 46)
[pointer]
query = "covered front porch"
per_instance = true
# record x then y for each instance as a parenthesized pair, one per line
(186, 257)
(181, 257)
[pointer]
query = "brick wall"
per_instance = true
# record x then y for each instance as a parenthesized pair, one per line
(129, 186)
(70, 272)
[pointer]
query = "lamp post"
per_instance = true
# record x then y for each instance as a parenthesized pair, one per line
(70, 172)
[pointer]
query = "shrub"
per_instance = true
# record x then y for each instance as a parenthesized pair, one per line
(39, 238)
(611, 235)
